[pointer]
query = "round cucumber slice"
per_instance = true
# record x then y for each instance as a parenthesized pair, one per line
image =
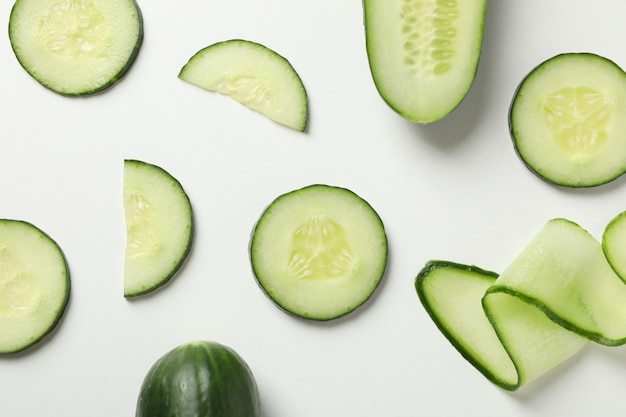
(34, 285)
(253, 75)
(159, 227)
(76, 47)
(319, 252)
(423, 55)
(566, 120)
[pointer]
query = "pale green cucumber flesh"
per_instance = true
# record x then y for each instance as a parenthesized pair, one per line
(76, 47)
(557, 295)
(34, 285)
(423, 55)
(451, 293)
(253, 75)
(566, 120)
(319, 252)
(614, 244)
(159, 227)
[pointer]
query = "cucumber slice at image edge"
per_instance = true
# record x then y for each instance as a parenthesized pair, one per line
(424, 56)
(558, 294)
(255, 76)
(201, 378)
(319, 252)
(34, 285)
(614, 244)
(568, 120)
(76, 47)
(159, 227)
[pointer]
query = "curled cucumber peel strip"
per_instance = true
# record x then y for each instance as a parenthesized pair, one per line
(559, 294)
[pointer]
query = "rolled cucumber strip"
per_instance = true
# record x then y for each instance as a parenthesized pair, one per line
(566, 120)
(159, 227)
(424, 55)
(34, 285)
(76, 47)
(319, 252)
(555, 297)
(614, 244)
(255, 76)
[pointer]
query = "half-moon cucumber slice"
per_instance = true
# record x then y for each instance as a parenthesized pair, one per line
(253, 75)
(159, 227)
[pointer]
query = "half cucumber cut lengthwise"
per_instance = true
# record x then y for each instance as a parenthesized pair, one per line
(423, 55)
(34, 285)
(253, 75)
(76, 47)
(568, 120)
(159, 227)
(555, 297)
(319, 252)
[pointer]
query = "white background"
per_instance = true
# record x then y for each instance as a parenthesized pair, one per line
(451, 190)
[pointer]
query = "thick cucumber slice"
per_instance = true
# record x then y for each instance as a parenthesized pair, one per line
(159, 227)
(319, 252)
(255, 76)
(567, 123)
(34, 285)
(555, 297)
(423, 55)
(76, 47)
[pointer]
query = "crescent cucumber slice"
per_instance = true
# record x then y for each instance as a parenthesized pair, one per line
(34, 285)
(253, 75)
(555, 297)
(76, 47)
(159, 227)
(423, 55)
(567, 120)
(319, 252)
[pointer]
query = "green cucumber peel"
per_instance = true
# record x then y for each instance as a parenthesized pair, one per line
(558, 294)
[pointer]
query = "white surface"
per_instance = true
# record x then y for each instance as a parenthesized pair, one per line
(452, 190)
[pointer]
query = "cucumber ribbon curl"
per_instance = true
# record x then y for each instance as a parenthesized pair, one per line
(559, 294)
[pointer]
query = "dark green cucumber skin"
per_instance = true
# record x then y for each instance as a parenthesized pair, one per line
(105, 86)
(199, 379)
(59, 315)
(419, 280)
